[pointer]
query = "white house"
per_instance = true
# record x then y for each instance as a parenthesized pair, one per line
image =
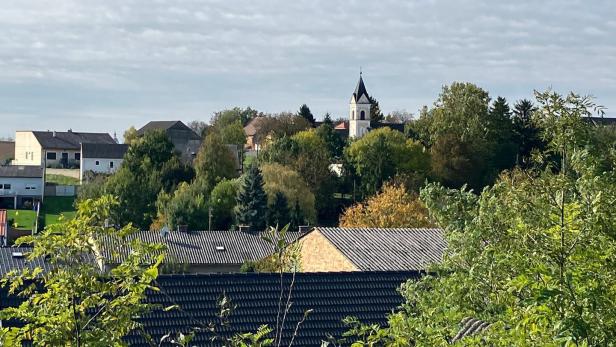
(21, 186)
(101, 158)
(54, 148)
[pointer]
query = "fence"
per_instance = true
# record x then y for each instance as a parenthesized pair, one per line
(60, 190)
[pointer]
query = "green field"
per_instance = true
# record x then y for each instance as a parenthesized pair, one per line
(62, 180)
(53, 208)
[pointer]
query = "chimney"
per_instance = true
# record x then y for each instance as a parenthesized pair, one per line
(164, 232)
(54, 133)
(244, 228)
(304, 229)
(183, 228)
(70, 130)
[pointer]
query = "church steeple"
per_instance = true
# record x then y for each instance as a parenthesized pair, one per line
(359, 111)
(360, 90)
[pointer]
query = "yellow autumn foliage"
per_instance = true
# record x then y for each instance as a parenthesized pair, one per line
(393, 207)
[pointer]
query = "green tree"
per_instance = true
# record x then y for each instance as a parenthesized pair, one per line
(502, 138)
(383, 153)
(537, 276)
(376, 115)
(233, 134)
(188, 205)
(305, 113)
(334, 142)
(297, 217)
(74, 304)
(130, 135)
(527, 133)
(278, 212)
(285, 180)
(229, 116)
(214, 162)
(251, 206)
(223, 201)
(150, 166)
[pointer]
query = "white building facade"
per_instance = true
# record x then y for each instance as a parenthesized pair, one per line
(101, 158)
(21, 186)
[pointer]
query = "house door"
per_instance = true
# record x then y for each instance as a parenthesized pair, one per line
(64, 160)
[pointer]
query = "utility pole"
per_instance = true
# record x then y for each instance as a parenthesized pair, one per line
(209, 228)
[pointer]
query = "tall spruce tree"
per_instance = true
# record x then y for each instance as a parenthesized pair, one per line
(305, 113)
(527, 134)
(376, 115)
(297, 217)
(278, 213)
(251, 206)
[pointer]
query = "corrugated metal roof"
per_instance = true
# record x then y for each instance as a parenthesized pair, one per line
(380, 249)
(197, 247)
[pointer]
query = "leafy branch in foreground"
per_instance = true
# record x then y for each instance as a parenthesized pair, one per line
(74, 303)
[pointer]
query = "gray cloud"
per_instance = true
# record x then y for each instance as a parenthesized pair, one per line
(108, 64)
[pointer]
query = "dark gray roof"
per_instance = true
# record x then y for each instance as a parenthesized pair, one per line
(69, 139)
(333, 296)
(197, 247)
(167, 125)
(378, 249)
(14, 258)
(393, 126)
(360, 89)
(23, 171)
(469, 327)
(601, 120)
(103, 150)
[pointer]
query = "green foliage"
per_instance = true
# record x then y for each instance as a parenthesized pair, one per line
(278, 212)
(130, 135)
(233, 134)
(528, 255)
(283, 124)
(223, 201)
(150, 166)
(334, 142)
(251, 208)
(373, 167)
(74, 304)
(376, 115)
(187, 205)
(526, 132)
(305, 113)
(61, 180)
(282, 179)
(214, 162)
(226, 117)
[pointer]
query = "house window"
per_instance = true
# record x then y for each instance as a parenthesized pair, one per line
(111, 165)
(30, 187)
(97, 163)
(7, 186)
(362, 115)
(51, 156)
(77, 156)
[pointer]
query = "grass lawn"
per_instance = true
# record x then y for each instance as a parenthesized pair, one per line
(23, 219)
(54, 206)
(62, 180)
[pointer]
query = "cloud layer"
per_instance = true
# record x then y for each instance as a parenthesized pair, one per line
(103, 65)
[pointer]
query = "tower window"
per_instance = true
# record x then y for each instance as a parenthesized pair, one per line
(353, 115)
(362, 115)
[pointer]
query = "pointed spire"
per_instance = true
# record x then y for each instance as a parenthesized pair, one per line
(360, 89)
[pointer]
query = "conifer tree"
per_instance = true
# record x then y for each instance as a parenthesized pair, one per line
(252, 200)
(305, 113)
(278, 214)
(297, 217)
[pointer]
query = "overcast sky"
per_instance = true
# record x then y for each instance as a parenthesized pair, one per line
(104, 65)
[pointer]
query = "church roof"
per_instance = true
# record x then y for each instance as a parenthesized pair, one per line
(360, 90)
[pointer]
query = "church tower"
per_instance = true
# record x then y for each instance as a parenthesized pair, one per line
(359, 111)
